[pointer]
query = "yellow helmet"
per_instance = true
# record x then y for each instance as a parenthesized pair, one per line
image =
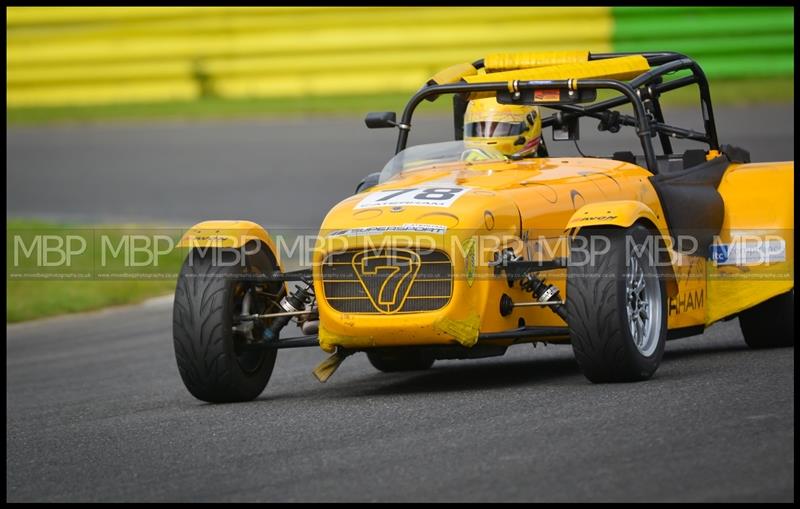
(514, 130)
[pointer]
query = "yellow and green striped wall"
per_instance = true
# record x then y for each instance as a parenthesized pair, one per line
(105, 55)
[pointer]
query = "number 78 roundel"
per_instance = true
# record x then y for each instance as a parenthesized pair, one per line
(412, 197)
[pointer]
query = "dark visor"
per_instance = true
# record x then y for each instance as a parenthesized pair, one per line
(491, 129)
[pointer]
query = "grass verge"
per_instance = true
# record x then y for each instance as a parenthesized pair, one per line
(214, 109)
(40, 284)
(738, 92)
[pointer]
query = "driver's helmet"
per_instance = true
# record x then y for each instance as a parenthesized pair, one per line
(514, 130)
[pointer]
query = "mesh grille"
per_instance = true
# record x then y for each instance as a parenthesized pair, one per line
(387, 281)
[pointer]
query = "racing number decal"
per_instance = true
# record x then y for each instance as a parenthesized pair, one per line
(420, 197)
(426, 194)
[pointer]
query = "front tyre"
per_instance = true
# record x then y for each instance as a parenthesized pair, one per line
(211, 346)
(769, 324)
(616, 304)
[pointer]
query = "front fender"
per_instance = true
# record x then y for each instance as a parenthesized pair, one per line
(624, 213)
(227, 234)
(614, 213)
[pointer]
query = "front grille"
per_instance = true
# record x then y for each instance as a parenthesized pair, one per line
(387, 281)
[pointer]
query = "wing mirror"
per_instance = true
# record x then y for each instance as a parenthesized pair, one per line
(381, 119)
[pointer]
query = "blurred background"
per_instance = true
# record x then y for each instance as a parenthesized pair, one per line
(59, 57)
(167, 116)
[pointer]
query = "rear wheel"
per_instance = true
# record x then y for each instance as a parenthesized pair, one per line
(390, 361)
(616, 304)
(213, 349)
(769, 324)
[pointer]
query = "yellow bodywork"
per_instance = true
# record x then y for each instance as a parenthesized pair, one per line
(496, 62)
(452, 74)
(227, 234)
(617, 213)
(535, 205)
(621, 68)
(759, 204)
(533, 198)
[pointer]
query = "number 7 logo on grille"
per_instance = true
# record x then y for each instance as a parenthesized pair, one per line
(387, 277)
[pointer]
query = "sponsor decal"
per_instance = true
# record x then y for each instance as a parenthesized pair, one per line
(719, 253)
(548, 95)
(691, 274)
(213, 238)
(413, 197)
(387, 278)
(749, 251)
(468, 248)
(597, 218)
(379, 230)
(687, 301)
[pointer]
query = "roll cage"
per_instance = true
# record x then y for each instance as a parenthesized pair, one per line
(642, 92)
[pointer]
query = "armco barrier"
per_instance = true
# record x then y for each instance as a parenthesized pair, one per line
(100, 55)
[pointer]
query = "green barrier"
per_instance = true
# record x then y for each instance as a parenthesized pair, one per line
(639, 24)
(728, 42)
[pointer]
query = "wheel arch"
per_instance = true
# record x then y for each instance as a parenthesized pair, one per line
(624, 214)
(229, 234)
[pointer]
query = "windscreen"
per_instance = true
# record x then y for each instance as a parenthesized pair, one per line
(433, 154)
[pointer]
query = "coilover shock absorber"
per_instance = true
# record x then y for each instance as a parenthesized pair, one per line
(292, 303)
(543, 292)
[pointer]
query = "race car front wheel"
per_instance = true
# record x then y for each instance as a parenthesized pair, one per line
(769, 324)
(616, 304)
(213, 348)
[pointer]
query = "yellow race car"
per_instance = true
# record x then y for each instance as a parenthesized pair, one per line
(457, 251)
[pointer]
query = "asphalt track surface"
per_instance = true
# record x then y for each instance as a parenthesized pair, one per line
(277, 173)
(96, 410)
